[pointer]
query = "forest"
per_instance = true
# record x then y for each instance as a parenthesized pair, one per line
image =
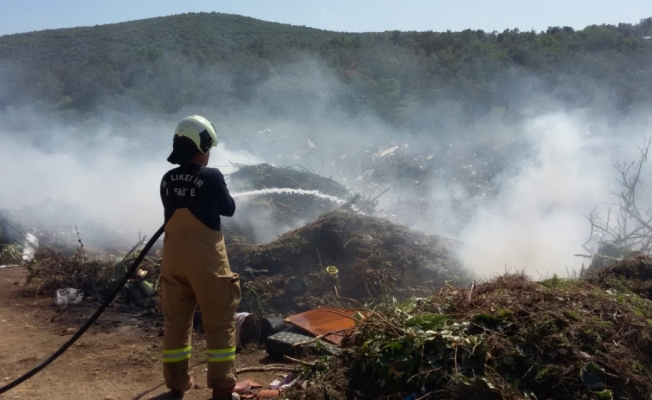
(222, 61)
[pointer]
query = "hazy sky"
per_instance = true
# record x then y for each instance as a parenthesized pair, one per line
(18, 16)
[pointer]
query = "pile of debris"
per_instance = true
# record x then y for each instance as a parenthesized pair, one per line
(342, 259)
(509, 338)
(51, 270)
(633, 274)
(272, 200)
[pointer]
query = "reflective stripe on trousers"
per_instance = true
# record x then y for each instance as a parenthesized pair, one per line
(176, 355)
(195, 270)
(221, 355)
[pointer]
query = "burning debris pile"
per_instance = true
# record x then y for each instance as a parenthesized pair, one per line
(272, 200)
(423, 178)
(369, 258)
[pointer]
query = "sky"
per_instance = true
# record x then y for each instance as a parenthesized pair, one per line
(337, 15)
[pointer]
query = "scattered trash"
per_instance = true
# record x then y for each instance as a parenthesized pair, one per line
(326, 322)
(358, 317)
(247, 329)
(270, 326)
(275, 384)
(254, 384)
(285, 384)
(332, 271)
(253, 271)
(68, 331)
(294, 344)
(243, 387)
(268, 394)
(137, 292)
(296, 287)
(387, 151)
(286, 344)
(66, 296)
(289, 382)
(288, 378)
(30, 247)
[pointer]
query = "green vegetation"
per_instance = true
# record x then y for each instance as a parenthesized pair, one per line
(511, 338)
(163, 64)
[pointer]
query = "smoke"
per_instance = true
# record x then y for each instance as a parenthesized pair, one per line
(537, 221)
(515, 191)
(100, 175)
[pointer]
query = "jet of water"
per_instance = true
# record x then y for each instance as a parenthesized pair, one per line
(304, 192)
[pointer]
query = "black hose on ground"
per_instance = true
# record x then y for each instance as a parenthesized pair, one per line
(91, 320)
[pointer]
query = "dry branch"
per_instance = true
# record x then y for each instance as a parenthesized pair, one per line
(271, 367)
(297, 361)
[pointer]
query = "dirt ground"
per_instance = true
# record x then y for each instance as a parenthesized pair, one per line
(119, 358)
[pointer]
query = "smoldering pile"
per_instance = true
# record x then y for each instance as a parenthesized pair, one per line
(321, 226)
(343, 259)
(273, 200)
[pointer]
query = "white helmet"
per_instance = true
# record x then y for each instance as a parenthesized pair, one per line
(199, 130)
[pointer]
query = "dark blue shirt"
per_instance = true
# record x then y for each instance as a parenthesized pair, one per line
(202, 190)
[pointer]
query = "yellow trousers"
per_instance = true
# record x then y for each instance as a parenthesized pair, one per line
(195, 269)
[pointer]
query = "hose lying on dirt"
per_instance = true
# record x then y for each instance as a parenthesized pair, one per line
(91, 320)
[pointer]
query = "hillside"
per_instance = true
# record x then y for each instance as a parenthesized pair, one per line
(205, 38)
(227, 61)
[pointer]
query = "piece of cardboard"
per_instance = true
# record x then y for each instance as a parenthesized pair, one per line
(328, 321)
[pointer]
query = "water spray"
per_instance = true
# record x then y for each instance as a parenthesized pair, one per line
(315, 193)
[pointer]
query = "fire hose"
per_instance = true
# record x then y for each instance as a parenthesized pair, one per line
(91, 320)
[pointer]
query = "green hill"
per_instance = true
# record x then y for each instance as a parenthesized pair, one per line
(407, 78)
(205, 38)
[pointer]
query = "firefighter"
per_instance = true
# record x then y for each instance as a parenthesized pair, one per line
(195, 268)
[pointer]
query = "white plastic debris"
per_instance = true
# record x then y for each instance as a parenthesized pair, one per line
(275, 384)
(239, 319)
(387, 152)
(68, 295)
(30, 247)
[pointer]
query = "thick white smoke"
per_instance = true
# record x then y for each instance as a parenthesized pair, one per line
(538, 222)
(104, 178)
(108, 169)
